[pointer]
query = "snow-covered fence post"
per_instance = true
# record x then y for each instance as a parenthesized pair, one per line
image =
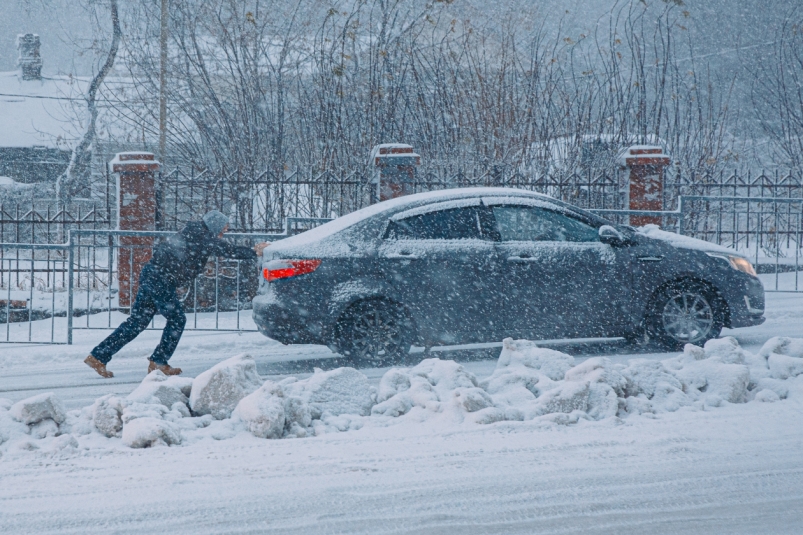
(644, 184)
(394, 170)
(136, 210)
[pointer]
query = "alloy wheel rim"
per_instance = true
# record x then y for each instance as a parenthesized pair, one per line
(376, 333)
(688, 317)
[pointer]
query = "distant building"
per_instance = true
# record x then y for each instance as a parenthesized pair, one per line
(42, 118)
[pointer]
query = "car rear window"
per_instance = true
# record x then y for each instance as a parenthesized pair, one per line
(453, 224)
(531, 223)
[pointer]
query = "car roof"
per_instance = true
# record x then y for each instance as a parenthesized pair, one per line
(401, 203)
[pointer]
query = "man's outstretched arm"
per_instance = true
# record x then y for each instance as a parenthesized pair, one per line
(227, 249)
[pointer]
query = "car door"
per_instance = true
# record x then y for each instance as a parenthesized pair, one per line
(441, 267)
(558, 280)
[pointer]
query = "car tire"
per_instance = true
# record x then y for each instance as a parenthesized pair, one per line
(374, 333)
(685, 312)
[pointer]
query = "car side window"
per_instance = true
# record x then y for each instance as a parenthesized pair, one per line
(532, 223)
(453, 224)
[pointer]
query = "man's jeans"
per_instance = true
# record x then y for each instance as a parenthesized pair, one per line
(155, 294)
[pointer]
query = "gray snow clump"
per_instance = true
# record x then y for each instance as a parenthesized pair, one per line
(218, 390)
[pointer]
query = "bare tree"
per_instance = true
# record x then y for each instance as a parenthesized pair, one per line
(778, 93)
(68, 182)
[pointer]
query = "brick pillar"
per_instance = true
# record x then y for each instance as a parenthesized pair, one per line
(645, 183)
(394, 169)
(136, 210)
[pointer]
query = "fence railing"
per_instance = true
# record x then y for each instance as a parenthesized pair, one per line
(50, 291)
(262, 201)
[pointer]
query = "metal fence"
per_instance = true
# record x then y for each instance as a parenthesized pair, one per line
(262, 202)
(50, 291)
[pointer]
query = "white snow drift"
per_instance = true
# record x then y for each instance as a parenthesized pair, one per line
(528, 383)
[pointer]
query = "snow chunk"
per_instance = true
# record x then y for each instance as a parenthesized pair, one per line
(777, 386)
(598, 370)
(218, 390)
(336, 392)
(570, 397)
(713, 379)
(429, 385)
(263, 412)
(107, 415)
(784, 366)
(159, 388)
(792, 347)
(147, 432)
(783, 357)
(767, 396)
(37, 408)
(549, 362)
(725, 350)
(647, 377)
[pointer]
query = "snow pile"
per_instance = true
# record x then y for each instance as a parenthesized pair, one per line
(218, 390)
(529, 383)
(159, 388)
(328, 401)
(434, 386)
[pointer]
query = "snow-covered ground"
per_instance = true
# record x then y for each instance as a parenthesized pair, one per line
(711, 466)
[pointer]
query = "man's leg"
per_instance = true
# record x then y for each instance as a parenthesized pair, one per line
(171, 308)
(142, 313)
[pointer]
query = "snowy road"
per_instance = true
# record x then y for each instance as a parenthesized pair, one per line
(733, 469)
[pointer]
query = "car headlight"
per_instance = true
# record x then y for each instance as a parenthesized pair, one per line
(736, 262)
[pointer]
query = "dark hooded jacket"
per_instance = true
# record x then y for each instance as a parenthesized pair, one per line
(183, 256)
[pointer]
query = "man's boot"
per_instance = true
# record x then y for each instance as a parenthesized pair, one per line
(164, 368)
(98, 366)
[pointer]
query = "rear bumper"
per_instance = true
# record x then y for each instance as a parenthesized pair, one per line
(281, 323)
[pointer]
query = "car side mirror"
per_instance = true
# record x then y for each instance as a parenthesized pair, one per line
(611, 236)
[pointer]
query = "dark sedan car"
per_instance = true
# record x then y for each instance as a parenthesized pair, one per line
(478, 265)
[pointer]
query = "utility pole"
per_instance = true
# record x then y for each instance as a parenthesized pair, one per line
(162, 104)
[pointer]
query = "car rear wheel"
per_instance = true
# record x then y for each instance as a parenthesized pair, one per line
(375, 333)
(685, 313)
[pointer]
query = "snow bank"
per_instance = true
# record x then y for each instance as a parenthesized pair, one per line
(529, 383)
(328, 401)
(435, 386)
(218, 390)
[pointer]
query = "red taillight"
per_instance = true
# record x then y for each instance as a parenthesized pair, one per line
(284, 269)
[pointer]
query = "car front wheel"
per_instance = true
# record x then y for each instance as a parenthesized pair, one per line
(685, 313)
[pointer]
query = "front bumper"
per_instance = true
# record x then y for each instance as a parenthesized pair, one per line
(746, 304)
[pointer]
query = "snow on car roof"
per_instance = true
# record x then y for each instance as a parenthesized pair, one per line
(341, 223)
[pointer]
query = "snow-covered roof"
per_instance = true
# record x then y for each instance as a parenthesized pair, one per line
(39, 113)
(10, 183)
(393, 150)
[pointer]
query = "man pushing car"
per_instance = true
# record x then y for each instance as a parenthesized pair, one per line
(175, 263)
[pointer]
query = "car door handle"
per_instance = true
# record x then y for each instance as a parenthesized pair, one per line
(521, 258)
(650, 258)
(403, 254)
